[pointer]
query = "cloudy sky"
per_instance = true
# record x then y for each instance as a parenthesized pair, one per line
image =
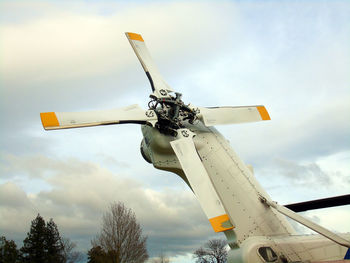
(291, 56)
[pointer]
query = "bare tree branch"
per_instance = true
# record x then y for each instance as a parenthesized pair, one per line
(214, 251)
(70, 256)
(121, 236)
(161, 259)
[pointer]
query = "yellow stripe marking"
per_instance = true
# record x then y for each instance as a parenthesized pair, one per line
(263, 113)
(221, 223)
(49, 119)
(134, 36)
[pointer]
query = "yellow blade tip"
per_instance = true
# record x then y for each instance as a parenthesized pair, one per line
(221, 223)
(49, 119)
(134, 36)
(263, 113)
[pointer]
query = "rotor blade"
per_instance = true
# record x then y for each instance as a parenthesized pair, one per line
(231, 115)
(159, 87)
(199, 180)
(320, 203)
(65, 120)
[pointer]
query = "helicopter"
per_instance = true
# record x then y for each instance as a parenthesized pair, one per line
(181, 138)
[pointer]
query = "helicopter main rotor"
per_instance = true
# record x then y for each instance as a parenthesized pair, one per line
(169, 115)
(172, 113)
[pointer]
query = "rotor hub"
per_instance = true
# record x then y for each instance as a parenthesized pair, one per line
(172, 113)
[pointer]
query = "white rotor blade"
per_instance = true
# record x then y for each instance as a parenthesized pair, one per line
(199, 180)
(231, 115)
(159, 87)
(65, 120)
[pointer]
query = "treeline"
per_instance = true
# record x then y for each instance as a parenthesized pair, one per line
(120, 241)
(43, 244)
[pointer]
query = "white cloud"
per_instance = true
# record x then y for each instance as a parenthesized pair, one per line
(81, 192)
(12, 195)
(67, 45)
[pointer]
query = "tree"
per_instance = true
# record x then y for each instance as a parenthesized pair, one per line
(97, 255)
(53, 243)
(8, 251)
(161, 259)
(43, 243)
(121, 236)
(69, 255)
(33, 249)
(214, 251)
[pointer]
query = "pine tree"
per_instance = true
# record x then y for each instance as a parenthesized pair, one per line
(43, 243)
(33, 249)
(53, 243)
(8, 251)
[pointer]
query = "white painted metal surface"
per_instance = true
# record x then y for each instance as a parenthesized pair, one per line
(237, 187)
(296, 248)
(161, 88)
(232, 115)
(64, 120)
(196, 174)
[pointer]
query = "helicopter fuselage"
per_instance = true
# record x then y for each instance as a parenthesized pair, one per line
(256, 226)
